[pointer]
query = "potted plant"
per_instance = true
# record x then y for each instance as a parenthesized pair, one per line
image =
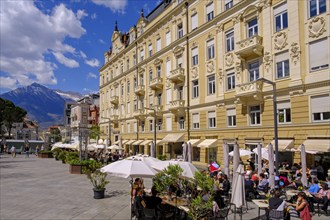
(62, 156)
(99, 181)
(76, 166)
(45, 154)
(56, 152)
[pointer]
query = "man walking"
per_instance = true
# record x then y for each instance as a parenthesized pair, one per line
(13, 151)
(27, 151)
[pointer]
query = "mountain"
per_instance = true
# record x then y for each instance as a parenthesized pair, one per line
(42, 104)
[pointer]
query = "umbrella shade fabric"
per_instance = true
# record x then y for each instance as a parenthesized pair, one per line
(114, 147)
(184, 151)
(150, 161)
(303, 165)
(264, 152)
(242, 153)
(99, 146)
(236, 159)
(259, 152)
(238, 190)
(188, 168)
(271, 167)
(129, 168)
(189, 154)
(153, 149)
(226, 158)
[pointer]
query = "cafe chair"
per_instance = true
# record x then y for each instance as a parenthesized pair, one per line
(149, 214)
(275, 215)
(220, 213)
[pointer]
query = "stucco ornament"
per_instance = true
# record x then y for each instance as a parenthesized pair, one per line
(268, 60)
(264, 3)
(210, 67)
(238, 69)
(280, 40)
(316, 27)
(229, 59)
(295, 52)
(220, 75)
(168, 83)
(194, 72)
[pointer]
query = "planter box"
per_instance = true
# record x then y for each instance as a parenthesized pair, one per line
(75, 169)
(45, 155)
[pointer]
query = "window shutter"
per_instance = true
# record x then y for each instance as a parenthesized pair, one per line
(231, 111)
(158, 44)
(211, 114)
(150, 47)
(280, 9)
(195, 118)
(320, 104)
(168, 96)
(282, 56)
(194, 51)
(210, 43)
(194, 21)
(168, 124)
(168, 38)
(318, 53)
(150, 100)
(209, 8)
(283, 105)
(168, 67)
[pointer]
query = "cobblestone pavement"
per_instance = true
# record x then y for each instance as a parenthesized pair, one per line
(34, 188)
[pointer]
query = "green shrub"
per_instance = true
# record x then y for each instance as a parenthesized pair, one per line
(162, 157)
(56, 152)
(98, 180)
(71, 156)
(91, 166)
(62, 156)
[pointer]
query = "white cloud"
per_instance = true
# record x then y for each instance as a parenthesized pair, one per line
(101, 41)
(27, 35)
(7, 82)
(82, 54)
(65, 61)
(93, 62)
(93, 16)
(91, 75)
(81, 14)
(115, 5)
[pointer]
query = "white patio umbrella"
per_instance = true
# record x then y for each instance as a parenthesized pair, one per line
(226, 158)
(303, 165)
(184, 151)
(129, 168)
(238, 189)
(152, 149)
(259, 157)
(189, 154)
(145, 158)
(114, 147)
(99, 146)
(271, 166)
(242, 153)
(236, 160)
(264, 152)
(188, 168)
(120, 145)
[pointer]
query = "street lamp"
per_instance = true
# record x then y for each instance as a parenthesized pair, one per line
(109, 121)
(155, 126)
(275, 121)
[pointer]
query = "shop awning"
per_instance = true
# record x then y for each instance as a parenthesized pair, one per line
(138, 142)
(194, 142)
(208, 143)
(283, 144)
(157, 142)
(117, 142)
(172, 138)
(124, 141)
(146, 142)
(130, 142)
(317, 145)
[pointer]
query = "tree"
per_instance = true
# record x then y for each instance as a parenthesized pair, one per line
(55, 134)
(10, 114)
(94, 132)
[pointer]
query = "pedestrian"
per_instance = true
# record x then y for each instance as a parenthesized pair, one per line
(5, 148)
(37, 150)
(13, 151)
(27, 151)
(42, 147)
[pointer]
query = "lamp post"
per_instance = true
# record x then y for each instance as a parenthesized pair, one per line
(155, 126)
(275, 121)
(109, 121)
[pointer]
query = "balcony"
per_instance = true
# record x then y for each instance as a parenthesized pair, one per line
(114, 118)
(251, 89)
(250, 46)
(177, 75)
(114, 99)
(140, 90)
(156, 83)
(140, 114)
(177, 106)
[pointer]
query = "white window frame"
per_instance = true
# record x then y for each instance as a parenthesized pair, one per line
(211, 119)
(210, 49)
(231, 117)
(211, 89)
(142, 126)
(209, 12)
(282, 61)
(320, 105)
(281, 13)
(255, 115)
(150, 50)
(168, 96)
(195, 121)
(230, 41)
(317, 7)
(228, 4)
(128, 108)
(286, 112)
(255, 71)
(180, 30)
(194, 56)
(160, 124)
(128, 127)
(151, 125)
(254, 28)
(194, 21)
(195, 89)
(151, 100)
(316, 49)
(231, 78)
(158, 44)
(168, 123)
(168, 38)
(181, 123)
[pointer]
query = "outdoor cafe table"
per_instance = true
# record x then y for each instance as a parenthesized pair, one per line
(177, 202)
(293, 192)
(261, 203)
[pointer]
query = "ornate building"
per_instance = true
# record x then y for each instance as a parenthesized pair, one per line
(199, 66)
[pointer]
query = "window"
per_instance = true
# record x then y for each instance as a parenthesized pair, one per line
(168, 124)
(317, 7)
(230, 43)
(135, 105)
(180, 93)
(122, 68)
(195, 89)
(194, 54)
(179, 62)
(282, 65)
(284, 112)
(253, 27)
(122, 89)
(150, 76)
(122, 128)
(128, 108)
(194, 21)
(228, 4)
(255, 115)
(210, 49)
(168, 96)
(211, 119)
(168, 67)
(159, 98)
(231, 117)
(195, 121)
(135, 83)
(211, 84)
(209, 12)
(180, 30)
(122, 109)
(134, 59)
(168, 38)
(128, 86)
(142, 126)
(253, 71)
(151, 100)
(135, 126)
(181, 123)
(320, 106)
(141, 79)
(160, 124)
(150, 50)
(230, 81)
(127, 64)
(159, 71)
(141, 55)
(128, 127)
(318, 55)
(281, 17)
(151, 125)
(158, 45)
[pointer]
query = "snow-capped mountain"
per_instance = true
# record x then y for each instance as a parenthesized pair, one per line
(42, 104)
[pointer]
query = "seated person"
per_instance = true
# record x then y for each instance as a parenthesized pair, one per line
(327, 180)
(277, 203)
(314, 188)
(323, 197)
(263, 183)
(225, 185)
(152, 201)
(301, 207)
(139, 204)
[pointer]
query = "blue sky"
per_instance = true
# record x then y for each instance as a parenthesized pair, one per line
(60, 44)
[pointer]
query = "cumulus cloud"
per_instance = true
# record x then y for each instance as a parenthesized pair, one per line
(91, 75)
(81, 14)
(93, 62)
(27, 35)
(115, 5)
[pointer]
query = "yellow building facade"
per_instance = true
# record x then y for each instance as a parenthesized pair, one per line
(193, 71)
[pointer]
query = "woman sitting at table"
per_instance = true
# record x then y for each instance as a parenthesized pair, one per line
(139, 204)
(301, 207)
(225, 185)
(323, 197)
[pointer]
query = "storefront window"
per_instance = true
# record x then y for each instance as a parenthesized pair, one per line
(196, 154)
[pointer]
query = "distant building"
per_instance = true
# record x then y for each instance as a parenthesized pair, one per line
(26, 130)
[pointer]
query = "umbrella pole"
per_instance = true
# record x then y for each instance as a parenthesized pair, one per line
(130, 202)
